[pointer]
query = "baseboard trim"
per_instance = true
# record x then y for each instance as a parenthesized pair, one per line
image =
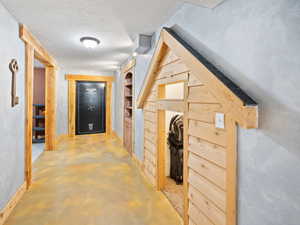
(4, 214)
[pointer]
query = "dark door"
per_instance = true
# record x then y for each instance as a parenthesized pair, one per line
(90, 107)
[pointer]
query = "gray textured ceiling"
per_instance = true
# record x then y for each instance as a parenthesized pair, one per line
(59, 24)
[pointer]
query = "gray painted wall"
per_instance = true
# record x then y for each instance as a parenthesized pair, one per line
(62, 97)
(257, 44)
(12, 119)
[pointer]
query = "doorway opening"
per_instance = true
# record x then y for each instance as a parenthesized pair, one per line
(90, 107)
(170, 147)
(39, 110)
(94, 88)
(173, 185)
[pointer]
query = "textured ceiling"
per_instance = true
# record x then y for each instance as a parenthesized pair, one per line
(59, 24)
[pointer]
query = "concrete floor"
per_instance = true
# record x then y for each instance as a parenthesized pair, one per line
(91, 181)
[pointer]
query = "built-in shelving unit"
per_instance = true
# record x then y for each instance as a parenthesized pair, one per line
(128, 114)
(38, 123)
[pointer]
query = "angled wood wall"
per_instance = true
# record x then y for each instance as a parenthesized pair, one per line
(210, 167)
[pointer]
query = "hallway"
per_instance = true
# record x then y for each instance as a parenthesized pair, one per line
(91, 181)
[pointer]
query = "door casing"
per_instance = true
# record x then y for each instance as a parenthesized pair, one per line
(72, 78)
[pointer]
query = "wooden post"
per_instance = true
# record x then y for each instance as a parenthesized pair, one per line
(231, 181)
(108, 109)
(50, 108)
(29, 59)
(185, 155)
(72, 101)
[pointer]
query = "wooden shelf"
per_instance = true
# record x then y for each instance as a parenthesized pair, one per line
(128, 112)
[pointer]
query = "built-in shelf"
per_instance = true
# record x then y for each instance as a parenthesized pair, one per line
(128, 112)
(38, 128)
(39, 117)
(39, 124)
(40, 140)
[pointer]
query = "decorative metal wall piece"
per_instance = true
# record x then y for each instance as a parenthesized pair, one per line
(14, 68)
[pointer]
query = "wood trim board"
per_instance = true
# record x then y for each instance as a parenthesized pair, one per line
(79, 77)
(235, 100)
(128, 66)
(34, 49)
(39, 51)
(4, 213)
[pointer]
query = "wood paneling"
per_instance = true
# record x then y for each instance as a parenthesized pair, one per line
(208, 189)
(72, 107)
(172, 70)
(203, 112)
(29, 71)
(79, 77)
(108, 108)
(231, 171)
(212, 172)
(176, 105)
(209, 152)
(228, 95)
(198, 216)
(201, 94)
(129, 66)
(208, 132)
(40, 52)
(168, 58)
(205, 206)
(50, 117)
(161, 145)
(174, 79)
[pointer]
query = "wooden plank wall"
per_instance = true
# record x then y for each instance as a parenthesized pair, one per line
(171, 70)
(207, 151)
(206, 157)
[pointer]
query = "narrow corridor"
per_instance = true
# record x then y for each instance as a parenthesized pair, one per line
(91, 181)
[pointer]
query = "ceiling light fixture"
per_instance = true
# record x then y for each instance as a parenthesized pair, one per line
(89, 42)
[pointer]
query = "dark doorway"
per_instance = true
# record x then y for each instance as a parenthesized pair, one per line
(90, 107)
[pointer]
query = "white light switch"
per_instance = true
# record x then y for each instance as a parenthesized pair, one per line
(220, 120)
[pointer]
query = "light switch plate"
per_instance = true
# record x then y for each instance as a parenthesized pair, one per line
(220, 120)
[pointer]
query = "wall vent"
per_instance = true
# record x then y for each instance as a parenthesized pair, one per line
(143, 43)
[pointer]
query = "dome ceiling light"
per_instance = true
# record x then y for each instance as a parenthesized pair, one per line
(89, 42)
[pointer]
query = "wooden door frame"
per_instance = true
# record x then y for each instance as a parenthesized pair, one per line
(34, 49)
(72, 79)
(178, 105)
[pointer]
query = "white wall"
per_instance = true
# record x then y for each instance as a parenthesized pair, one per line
(12, 119)
(257, 44)
(62, 97)
(175, 91)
